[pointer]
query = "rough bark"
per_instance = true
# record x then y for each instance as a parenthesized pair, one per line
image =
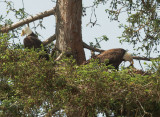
(68, 29)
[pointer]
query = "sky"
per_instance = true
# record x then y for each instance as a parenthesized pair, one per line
(105, 27)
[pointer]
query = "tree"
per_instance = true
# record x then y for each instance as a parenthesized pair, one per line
(32, 87)
(68, 30)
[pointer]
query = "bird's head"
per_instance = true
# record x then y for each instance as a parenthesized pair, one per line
(128, 57)
(26, 31)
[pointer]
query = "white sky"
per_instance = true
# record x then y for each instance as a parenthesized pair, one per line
(110, 29)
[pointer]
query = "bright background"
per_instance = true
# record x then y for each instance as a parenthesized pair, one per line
(105, 27)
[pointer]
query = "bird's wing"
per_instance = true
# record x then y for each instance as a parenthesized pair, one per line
(31, 41)
(112, 55)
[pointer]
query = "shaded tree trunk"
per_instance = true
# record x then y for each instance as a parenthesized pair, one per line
(68, 28)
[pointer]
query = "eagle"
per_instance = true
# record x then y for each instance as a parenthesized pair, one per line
(31, 41)
(114, 57)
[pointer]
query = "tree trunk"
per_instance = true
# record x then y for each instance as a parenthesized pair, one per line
(68, 28)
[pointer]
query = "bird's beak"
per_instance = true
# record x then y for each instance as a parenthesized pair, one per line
(22, 34)
(131, 62)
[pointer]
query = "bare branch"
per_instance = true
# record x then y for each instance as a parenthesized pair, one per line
(141, 27)
(59, 57)
(52, 38)
(92, 48)
(99, 50)
(28, 20)
(49, 40)
(142, 58)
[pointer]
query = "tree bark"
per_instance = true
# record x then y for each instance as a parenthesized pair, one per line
(68, 28)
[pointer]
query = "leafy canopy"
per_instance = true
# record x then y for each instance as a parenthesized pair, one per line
(33, 87)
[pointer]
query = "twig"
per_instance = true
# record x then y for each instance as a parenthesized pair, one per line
(141, 65)
(23, 4)
(59, 57)
(140, 28)
(145, 113)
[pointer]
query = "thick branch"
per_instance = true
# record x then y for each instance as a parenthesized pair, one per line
(28, 20)
(143, 58)
(49, 40)
(91, 48)
(99, 50)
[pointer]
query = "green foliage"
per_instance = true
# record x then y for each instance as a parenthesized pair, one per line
(31, 86)
(142, 27)
(98, 41)
(19, 14)
(154, 66)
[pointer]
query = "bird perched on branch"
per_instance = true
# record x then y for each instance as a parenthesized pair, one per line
(115, 57)
(31, 41)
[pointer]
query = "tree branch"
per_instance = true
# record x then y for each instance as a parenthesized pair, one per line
(49, 40)
(59, 57)
(28, 20)
(52, 38)
(99, 50)
(92, 48)
(143, 58)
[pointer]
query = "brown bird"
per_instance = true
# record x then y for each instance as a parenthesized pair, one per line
(114, 57)
(31, 41)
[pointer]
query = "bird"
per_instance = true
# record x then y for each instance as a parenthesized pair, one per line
(31, 41)
(114, 57)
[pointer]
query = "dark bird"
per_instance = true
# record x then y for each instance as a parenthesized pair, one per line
(31, 41)
(114, 57)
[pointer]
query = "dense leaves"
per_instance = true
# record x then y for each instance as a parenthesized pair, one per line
(32, 87)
